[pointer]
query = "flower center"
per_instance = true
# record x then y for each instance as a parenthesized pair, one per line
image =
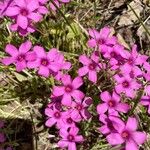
(69, 120)
(109, 124)
(125, 134)
(92, 66)
(24, 12)
(68, 88)
(130, 61)
(79, 107)
(44, 62)
(113, 54)
(57, 115)
(21, 57)
(111, 103)
(125, 84)
(132, 75)
(101, 41)
(70, 137)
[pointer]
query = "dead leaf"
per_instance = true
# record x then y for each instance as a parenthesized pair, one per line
(128, 17)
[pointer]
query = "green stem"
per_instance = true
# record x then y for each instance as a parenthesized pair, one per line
(63, 16)
(139, 20)
(136, 102)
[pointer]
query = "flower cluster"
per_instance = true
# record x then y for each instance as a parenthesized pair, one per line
(3, 137)
(47, 63)
(128, 70)
(68, 107)
(24, 14)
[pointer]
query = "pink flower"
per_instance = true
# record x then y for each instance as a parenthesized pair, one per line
(90, 67)
(133, 57)
(69, 90)
(127, 134)
(69, 119)
(45, 62)
(132, 71)
(25, 12)
(126, 85)
(54, 116)
(145, 101)
(111, 103)
(111, 124)
(19, 57)
(58, 4)
(101, 38)
(81, 108)
(23, 32)
(70, 138)
(64, 65)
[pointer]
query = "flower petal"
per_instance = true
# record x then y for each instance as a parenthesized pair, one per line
(8, 60)
(32, 5)
(132, 124)
(43, 71)
(11, 50)
(77, 82)
(105, 96)
(63, 133)
(92, 76)
(122, 107)
(94, 34)
(84, 59)
(130, 144)
(72, 146)
(20, 66)
(12, 11)
(25, 47)
(63, 143)
(104, 129)
(66, 80)
(66, 100)
(102, 108)
(139, 137)
(50, 122)
(83, 71)
(115, 139)
(20, 3)
(58, 90)
(92, 43)
(35, 17)
(22, 21)
(39, 51)
(42, 10)
(78, 95)
(74, 131)
(31, 56)
(33, 64)
(79, 138)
